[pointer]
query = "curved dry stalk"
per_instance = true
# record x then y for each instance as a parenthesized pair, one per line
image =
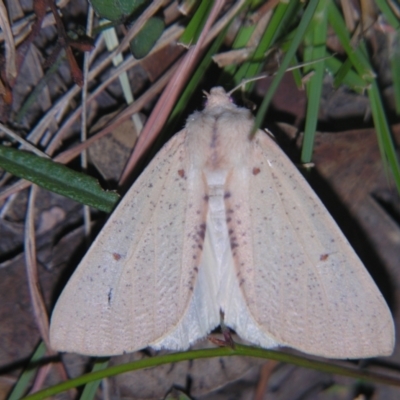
(10, 56)
(39, 308)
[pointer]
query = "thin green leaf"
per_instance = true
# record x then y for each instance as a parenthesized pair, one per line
(57, 178)
(239, 350)
(345, 75)
(388, 13)
(90, 389)
(394, 57)
(25, 380)
(344, 69)
(315, 49)
(361, 63)
(385, 140)
(298, 78)
(241, 40)
(283, 13)
(196, 24)
(354, 53)
(298, 37)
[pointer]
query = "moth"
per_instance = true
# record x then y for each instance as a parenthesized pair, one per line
(221, 221)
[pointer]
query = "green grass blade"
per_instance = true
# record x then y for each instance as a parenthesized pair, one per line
(394, 56)
(355, 54)
(90, 389)
(239, 350)
(298, 37)
(363, 67)
(345, 75)
(388, 13)
(25, 380)
(385, 140)
(315, 49)
(196, 24)
(283, 13)
(242, 38)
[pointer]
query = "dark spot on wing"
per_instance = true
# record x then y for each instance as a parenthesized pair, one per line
(256, 171)
(202, 231)
(181, 173)
(117, 256)
(110, 296)
(323, 257)
(232, 239)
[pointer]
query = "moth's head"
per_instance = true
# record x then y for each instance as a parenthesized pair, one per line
(218, 97)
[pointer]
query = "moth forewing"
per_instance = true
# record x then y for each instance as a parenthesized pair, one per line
(306, 288)
(133, 286)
